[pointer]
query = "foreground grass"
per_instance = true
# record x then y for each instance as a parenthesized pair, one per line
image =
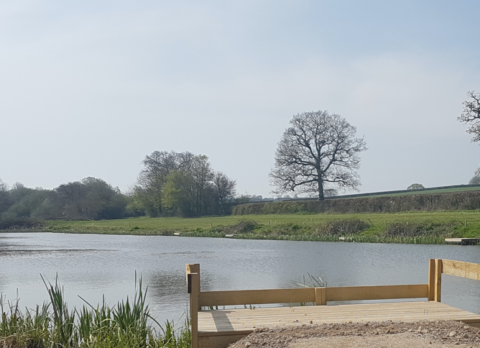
(430, 227)
(128, 324)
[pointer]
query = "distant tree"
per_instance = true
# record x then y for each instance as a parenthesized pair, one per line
(3, 186)
(153, 177)
(5, 201)
(471, 115)
(90, 199)
(415, 187)
(178, 196)
(475, 180)
(318, 150)
(224, 190)
(182, 184)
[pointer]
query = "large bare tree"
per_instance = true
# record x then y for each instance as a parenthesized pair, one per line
(318, 152)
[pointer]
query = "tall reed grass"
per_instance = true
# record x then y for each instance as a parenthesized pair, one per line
(53, 324)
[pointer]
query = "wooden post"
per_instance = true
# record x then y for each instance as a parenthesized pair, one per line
(193, 268)
(320, 296)
(438, 280)
(194, 290)
(431, 279)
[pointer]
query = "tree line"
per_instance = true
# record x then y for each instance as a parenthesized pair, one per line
(88, 199)
(170, 184)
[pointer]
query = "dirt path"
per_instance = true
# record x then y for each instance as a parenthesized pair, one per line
(384, 334)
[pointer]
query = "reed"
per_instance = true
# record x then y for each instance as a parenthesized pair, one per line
(127, 324)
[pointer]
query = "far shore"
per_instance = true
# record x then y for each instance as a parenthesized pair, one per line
(407, 227)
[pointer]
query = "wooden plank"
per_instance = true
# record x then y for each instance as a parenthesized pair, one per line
(438, 280)
(356, 293)
(320, 296)
(431, 279)
(461, 269)
(194, 281)
(246, 297)
(238, 321)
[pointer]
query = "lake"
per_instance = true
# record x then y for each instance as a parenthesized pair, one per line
(92, 266)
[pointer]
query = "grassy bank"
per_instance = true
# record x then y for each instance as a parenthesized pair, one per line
(127, 324)
(408, 227)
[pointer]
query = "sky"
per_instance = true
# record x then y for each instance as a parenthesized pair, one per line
(89, 88)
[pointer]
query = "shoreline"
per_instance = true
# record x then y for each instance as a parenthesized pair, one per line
(293, 238)
(406, 228)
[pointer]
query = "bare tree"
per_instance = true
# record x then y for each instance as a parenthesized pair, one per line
(471, 115)
(318, 150)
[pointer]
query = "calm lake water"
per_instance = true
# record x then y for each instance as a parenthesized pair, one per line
(95, 265)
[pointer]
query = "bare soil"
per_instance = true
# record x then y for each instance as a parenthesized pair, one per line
(372, 334)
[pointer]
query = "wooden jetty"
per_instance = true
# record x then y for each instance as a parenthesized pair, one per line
(220, 327)
(462, 241)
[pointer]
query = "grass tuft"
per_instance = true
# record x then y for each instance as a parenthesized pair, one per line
(126, 325)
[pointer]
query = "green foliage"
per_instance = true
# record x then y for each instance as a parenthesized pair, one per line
(89, 199)
(242, 226)
(415, 187)
(182, 184)
(467, 200)
(342, 227)
(126, 325)
(11, 222)
(421, 229)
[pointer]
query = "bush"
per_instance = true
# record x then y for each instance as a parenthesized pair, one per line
(419, 229)
(468, 200)
(19, 223)
(242, 226)
(342, 227)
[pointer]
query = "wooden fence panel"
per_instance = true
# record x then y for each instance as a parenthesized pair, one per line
(384, 292)
(246, 297)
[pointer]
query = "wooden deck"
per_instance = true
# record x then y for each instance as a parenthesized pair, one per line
(462, 241)
(218, 328)
(246, 320)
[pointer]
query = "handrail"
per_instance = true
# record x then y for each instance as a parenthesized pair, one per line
(461, 269)
(320, 296)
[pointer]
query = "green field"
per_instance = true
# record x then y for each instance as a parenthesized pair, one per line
(420, 192)
(433, 227)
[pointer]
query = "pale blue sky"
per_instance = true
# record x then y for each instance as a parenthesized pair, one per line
(88, 88)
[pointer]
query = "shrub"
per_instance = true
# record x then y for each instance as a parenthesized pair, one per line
(242, 226)
(419, 229)
(468, 200)
(342, 227)
(19, 223)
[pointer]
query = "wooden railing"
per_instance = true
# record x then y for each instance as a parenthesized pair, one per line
(320, 296)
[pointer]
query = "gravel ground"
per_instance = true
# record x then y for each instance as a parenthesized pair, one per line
(373, 334)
